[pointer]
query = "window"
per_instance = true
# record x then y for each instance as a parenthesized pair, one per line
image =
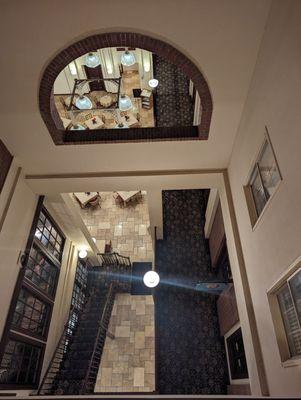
(49, 236)
(25, 334)
(285, 303)
(264, 179)
(20, 363)
(31, 313)
(289, 299)
(79, 288)
(41, 271)
(237, 358)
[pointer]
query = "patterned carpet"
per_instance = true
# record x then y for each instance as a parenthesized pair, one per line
(190, 353)
(173, 105)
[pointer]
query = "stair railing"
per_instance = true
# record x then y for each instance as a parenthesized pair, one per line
(118, 269)
(102, 332)
(60, 349)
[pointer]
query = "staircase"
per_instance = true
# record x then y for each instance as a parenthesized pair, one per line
(75, 362)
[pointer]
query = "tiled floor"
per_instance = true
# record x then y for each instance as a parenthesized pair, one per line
(126, 227)
(128, 361)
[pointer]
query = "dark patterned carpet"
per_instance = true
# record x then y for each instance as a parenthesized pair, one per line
(173, 105)
(190, 353)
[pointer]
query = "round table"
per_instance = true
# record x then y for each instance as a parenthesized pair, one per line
(106, 101)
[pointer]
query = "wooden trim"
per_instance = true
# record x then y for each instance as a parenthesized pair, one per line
(247, 292)
(10, 197)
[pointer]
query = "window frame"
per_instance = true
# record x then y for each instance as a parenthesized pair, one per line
(12, 332)
(255, 216)
(287, 359)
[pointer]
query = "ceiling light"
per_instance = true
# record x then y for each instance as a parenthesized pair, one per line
(72, 68)
(83, 103)
(82, 253)
(151, 279)
(128, 59)
(147, 67)
(92, 60)
(94, 239)
(153, 83)
(77, 127)
(125, 103)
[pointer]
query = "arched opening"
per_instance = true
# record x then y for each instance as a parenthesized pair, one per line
(83, 88)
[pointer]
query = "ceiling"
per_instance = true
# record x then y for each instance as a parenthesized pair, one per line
(221, 36)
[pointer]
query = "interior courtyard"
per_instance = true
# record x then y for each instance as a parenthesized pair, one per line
(150, 199)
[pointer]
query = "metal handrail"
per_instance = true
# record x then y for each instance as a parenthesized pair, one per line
(102, 330)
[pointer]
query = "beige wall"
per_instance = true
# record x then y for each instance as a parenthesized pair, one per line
(274, 100)
(222, 37)
(13, 237)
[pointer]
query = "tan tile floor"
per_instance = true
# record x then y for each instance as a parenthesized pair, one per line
(128, 361)
(126, 227)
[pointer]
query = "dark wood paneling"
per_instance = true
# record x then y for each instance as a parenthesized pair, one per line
(217, 237)
(5, 161)
(227, 310)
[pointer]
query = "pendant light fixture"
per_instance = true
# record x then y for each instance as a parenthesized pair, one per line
(92, 60)
(77, 127)
(83, 103)
(128, 59)
(125, 103)
(153, 83)
(151, 279)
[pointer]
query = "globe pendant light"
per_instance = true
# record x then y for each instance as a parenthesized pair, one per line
(128, 59)
(92, 60)
(83, 103)
(77, 127)
(153, 83)
(151, 279)
(125, 103)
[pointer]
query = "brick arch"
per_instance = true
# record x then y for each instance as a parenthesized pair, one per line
(122, 39)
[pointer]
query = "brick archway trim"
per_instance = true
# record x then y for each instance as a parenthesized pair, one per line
(122, 39)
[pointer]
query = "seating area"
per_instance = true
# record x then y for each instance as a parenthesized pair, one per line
(103, 112)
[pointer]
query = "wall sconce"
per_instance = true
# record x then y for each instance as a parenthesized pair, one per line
(82, 254)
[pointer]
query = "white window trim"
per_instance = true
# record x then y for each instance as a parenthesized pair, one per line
(286, 359)
(254, 218)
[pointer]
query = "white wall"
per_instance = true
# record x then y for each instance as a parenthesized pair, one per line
(274, 100)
